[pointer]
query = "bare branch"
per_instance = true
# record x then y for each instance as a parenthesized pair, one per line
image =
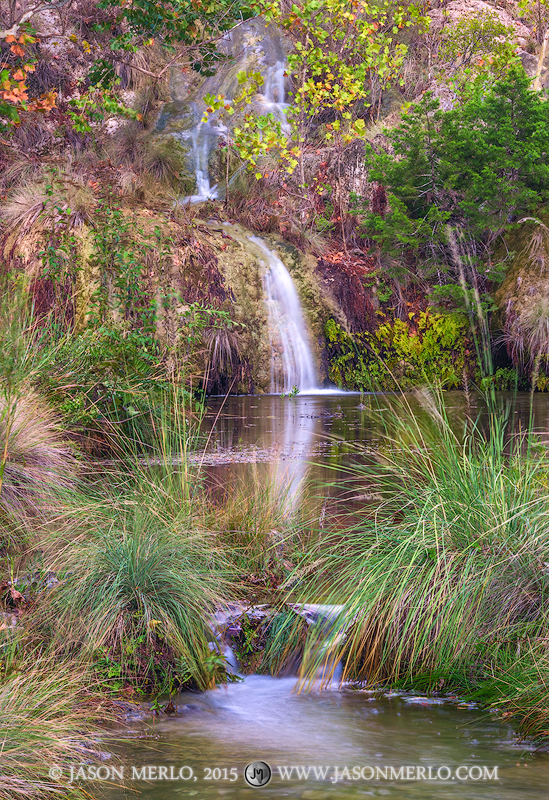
(154, 75)
(175, 59)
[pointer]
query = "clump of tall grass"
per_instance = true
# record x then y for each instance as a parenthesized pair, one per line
(135, 149)
(36, 463)
(34, 205)
(142, 592)
(453, 566)
(140, 579)
(46, 717)
(261, 526)
(519, 683)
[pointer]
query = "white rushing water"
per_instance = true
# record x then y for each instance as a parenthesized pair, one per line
(292, 362)
(203, 138)
(274, 94)
(253, 47)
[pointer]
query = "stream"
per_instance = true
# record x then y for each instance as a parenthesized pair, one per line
(214, 736)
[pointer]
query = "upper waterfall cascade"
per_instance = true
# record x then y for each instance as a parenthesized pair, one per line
(254, 46)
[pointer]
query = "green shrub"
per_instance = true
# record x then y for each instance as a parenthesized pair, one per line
(428, 348)
(474, 170)
(139, 579)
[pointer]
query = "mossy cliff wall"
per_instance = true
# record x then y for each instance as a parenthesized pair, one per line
(146, 270)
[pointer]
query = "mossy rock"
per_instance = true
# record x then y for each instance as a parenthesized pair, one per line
(426, 349)
(523, 297)
(175, 117)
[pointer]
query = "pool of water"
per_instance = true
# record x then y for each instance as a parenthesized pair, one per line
(307, 443)
(264, 719)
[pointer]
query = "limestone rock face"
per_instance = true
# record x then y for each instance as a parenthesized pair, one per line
(529, 62)
(460, 9)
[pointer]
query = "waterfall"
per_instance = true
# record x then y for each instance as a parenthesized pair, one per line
(292, 362)
(253, 46)
(291, 358)
(203, 138)
(273, 98)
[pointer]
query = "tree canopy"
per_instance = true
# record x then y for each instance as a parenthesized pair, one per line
(476, 168)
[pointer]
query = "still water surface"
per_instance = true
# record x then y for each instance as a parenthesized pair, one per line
(298, 442)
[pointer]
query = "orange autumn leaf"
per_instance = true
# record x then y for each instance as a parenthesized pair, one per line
(26, 38)
(18, 75)
(17, 50)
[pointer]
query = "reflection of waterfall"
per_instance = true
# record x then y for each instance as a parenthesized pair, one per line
(291, 357)
(296, 439)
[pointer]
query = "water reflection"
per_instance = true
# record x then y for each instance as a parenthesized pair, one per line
(311, 444)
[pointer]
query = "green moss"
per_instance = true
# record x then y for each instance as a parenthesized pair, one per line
(428, 348)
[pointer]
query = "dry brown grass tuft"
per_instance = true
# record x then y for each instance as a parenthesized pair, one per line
(21, 170)
(47, 719)
(139, 154)
(70, 203)
(36, 464)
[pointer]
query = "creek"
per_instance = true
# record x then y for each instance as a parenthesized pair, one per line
(264, 719)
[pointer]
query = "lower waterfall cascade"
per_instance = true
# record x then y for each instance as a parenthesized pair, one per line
(292, 363)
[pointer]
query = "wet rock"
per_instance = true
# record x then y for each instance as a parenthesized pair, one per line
(37, 581)
(189, 708)
(90, 754)
(425, 701)
(131, 712)
(257, 614)
(175, 117)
